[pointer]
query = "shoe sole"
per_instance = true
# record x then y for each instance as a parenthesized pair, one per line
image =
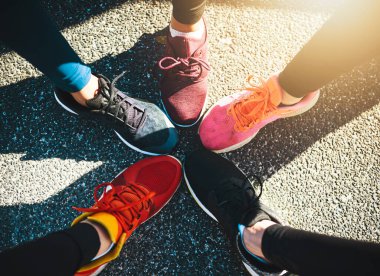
(118, 135)
(249, 139)
(247, 267)
(97, 272)
(185, 126)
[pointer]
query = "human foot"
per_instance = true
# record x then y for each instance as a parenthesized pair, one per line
(139, 124)
(184, 83)
(104, 238)
(88, 92)
(229, 198)
(288, 99)
(252, 237)
(133, 197)
(236, 119)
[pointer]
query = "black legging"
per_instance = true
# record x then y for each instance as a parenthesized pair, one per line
(350, 37)
(27, 29)
(298, 251)
(188, 11)
(60, 253)
(307, 253)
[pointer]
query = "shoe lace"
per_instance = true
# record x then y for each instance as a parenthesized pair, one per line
(239, 193)
(133, 198)
(191, 67)
(122, 106)
(253, 108)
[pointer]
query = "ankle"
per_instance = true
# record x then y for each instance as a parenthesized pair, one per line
(105, 241)
(88, 92)
(186, 28)
(288, 99)
(253, 237)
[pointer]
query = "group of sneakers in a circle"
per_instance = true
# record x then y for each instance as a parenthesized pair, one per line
(143, 189)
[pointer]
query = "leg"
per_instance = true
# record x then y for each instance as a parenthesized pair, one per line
(308, 253)
(61, 252)
(187, 12)
(350, 37)
(27, 29)
(98, 235)
(264, 245)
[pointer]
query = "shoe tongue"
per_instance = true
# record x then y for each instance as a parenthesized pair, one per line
(253, 217)
(131, 196)
(102, 97)
(241, 196)
(97, 102)
(244, 200)
(184, 47)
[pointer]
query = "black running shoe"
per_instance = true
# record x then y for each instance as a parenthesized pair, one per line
(139, 124)
(227, 195)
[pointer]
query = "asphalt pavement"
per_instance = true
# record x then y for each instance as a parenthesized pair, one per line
(321, 169)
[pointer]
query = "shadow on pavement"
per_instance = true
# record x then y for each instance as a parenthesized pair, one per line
(67, 13)
(341, 101)
(33, 124)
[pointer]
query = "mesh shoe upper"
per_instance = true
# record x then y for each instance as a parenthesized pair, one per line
(139, 123)
(222, 189)
(184, 84)
(235, 119)
(134, 196)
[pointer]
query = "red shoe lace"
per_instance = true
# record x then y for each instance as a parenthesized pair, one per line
(253, 108)
(133, 198)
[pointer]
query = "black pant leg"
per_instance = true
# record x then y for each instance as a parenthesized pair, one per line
(307, 253)
(350, 37)
(28, 30)
(188, 11)
(60, 253)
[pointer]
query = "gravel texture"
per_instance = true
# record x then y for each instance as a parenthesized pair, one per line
(321, 169)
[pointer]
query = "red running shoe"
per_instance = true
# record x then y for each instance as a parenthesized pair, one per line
(134, 196)
(184, 84)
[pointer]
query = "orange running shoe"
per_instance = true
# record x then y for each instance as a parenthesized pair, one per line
(134, 196)
(236, 119)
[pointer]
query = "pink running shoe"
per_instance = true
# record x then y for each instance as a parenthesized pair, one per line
(236, 119)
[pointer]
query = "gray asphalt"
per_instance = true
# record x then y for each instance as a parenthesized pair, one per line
(321, 169)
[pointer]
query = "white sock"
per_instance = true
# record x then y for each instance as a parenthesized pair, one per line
(194, 35)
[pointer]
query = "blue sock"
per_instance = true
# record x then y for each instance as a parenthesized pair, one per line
(241, 231)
